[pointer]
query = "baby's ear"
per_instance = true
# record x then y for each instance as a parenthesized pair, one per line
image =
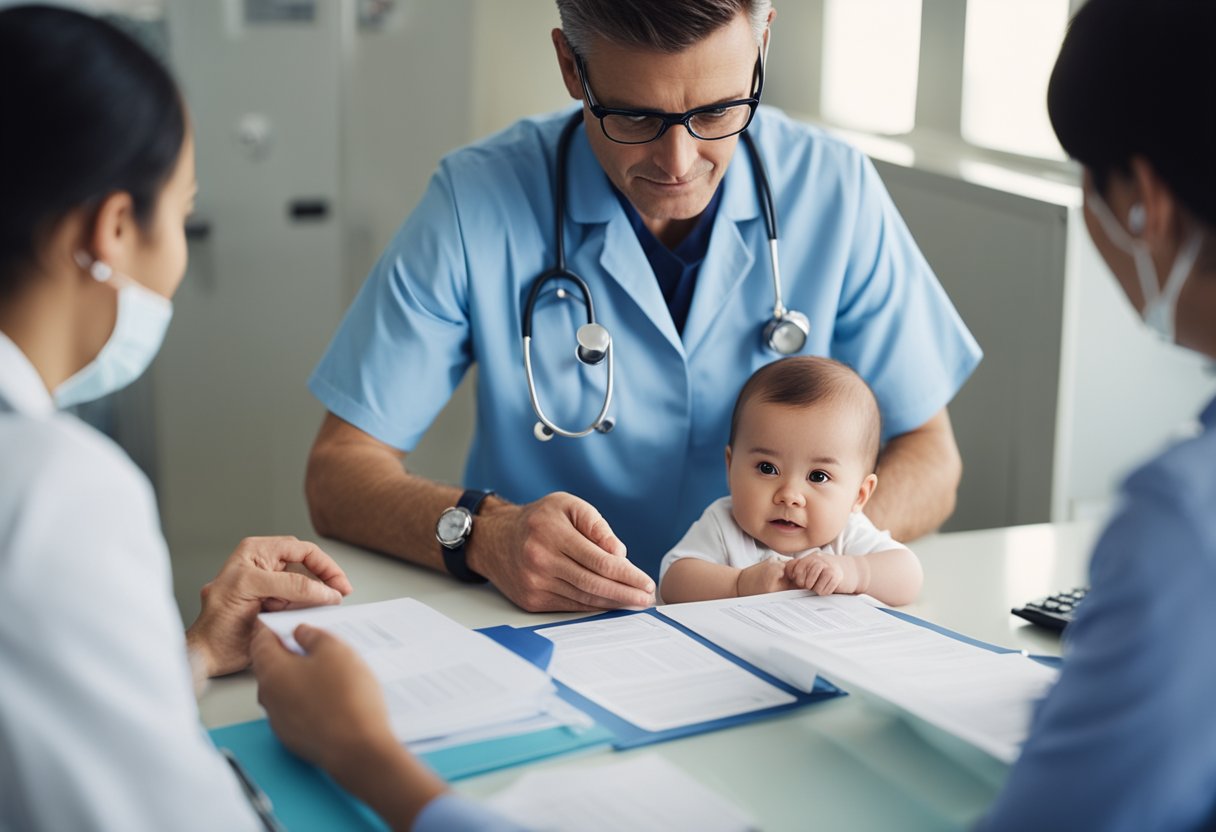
(866, 491)
(728, 460)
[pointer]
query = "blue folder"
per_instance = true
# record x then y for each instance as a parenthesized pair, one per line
(627, 735)
(1049, 661)
(306, 799)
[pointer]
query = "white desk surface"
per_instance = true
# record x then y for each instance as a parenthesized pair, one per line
(843, 764)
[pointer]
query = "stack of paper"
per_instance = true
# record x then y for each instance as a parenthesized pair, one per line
(983, 697)
(639, 794)
(653, 675)
(444, 684)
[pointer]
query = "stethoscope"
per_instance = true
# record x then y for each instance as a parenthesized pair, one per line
(784, 334)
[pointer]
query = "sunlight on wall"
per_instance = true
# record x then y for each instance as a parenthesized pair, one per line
(870, 64)
(1010, 48)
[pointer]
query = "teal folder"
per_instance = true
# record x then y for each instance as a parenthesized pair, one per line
(306, 799)
(303, 797)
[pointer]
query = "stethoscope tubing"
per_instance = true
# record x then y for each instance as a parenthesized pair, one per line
(769, 209)
(782, 317)
(599, 420)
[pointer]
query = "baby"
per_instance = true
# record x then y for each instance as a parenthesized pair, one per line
(803, 447)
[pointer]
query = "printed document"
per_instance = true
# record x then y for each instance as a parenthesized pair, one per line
(982, 697)
(649, 673)
(639, 793)
(439, 679)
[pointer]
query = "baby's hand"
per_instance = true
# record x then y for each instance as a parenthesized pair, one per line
(823, 574)
(765, 576)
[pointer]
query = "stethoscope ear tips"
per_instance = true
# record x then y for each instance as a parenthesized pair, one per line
(593, 343)
(605, 426)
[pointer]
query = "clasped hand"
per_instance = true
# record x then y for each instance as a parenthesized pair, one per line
(821, 574)
(263, 574)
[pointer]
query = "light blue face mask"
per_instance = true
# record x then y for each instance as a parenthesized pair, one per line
(1160, 303)
(143, 318)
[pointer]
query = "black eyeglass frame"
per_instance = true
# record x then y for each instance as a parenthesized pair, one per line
(671, 119)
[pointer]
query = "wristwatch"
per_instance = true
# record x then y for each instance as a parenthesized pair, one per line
(453, 530)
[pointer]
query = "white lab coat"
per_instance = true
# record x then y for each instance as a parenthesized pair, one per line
(99, 728)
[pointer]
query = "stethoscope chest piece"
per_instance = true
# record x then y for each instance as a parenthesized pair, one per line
(593, 343)
(786, 333)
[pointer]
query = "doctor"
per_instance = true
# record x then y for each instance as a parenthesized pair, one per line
(98, 723)
(644, 194)
(1127, 738)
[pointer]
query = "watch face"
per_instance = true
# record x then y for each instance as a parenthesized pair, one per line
(453, 527)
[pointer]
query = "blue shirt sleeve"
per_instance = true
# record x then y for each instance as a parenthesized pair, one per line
(895, 324)
(1125, 739)
(404, 344)
(451, 813)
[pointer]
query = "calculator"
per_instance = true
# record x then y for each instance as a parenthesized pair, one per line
(1055, 611)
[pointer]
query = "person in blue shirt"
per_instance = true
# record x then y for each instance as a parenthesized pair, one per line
(1126, 740)
(664, 222)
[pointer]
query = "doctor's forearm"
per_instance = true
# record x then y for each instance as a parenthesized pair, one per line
(362, 494)
(918, 477)
(556, 553)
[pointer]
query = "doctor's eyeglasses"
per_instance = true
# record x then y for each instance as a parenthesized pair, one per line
(709, 123)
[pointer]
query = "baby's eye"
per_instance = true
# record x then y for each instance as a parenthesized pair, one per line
(767, 468)
(818, 476)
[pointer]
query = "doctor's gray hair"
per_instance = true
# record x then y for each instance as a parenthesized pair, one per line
(661, 25)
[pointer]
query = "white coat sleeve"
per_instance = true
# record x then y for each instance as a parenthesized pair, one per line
(99, 728)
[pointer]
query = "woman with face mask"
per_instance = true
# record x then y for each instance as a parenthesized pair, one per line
(1127, 738)
(98, 722)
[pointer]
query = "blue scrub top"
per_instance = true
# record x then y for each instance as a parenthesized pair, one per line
(450, 289)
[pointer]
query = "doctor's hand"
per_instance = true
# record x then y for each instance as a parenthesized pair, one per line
(327, 707)
(263, 575)
(556, 554)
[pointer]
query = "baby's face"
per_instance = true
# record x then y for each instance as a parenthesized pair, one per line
(796, 473)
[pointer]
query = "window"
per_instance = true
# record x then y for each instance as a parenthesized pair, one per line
(1009, 51)
(870, 62)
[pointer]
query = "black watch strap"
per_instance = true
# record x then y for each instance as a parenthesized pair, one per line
(455, 560)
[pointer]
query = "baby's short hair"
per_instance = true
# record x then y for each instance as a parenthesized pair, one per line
(804, 380)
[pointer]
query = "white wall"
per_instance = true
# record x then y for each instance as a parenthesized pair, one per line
(514, 67)
(1126, 393)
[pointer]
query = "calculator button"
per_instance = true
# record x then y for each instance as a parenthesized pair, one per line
(1051, 604)
(1065, 607)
